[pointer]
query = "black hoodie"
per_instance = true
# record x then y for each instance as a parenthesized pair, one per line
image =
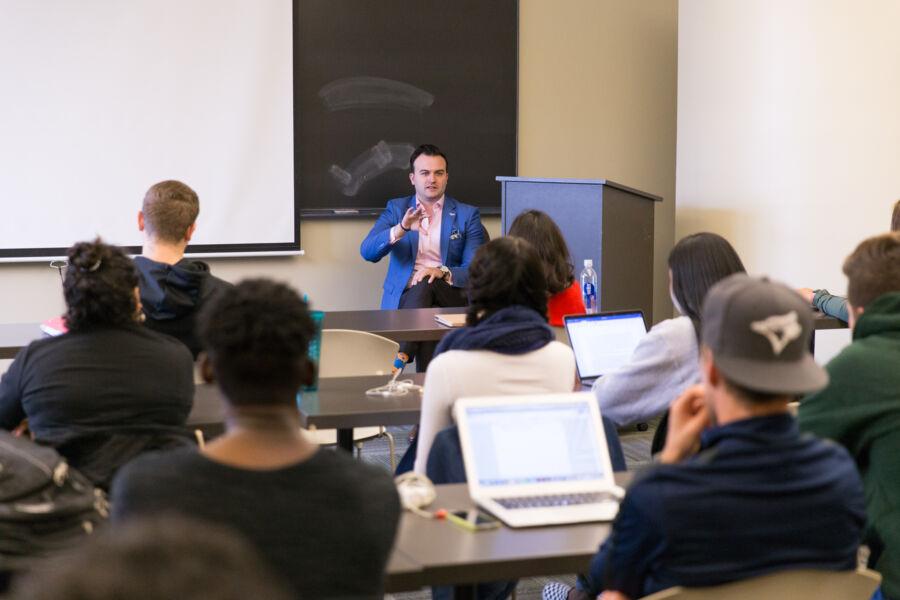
(172, 295)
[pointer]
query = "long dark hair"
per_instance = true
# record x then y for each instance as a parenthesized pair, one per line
(698, 262)
(99, 286)
(504, 272)
(540, 230)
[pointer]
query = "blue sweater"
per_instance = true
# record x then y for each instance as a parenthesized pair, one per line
(758, 497)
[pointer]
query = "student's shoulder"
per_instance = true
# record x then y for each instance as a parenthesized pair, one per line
(558, 351)
(681, 327)
(152, 468)
(353, 477)
(166, 347)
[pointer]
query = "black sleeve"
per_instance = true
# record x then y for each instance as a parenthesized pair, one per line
(11, 410)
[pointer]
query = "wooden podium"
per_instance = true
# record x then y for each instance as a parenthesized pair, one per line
(608, 222)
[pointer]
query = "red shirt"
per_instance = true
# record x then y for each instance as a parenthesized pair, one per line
(567, 302)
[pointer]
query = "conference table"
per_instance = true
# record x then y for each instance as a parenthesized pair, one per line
(339, 403)
(448, 555)
(401, 325)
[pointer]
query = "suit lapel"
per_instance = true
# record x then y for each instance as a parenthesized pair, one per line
(412, 237)
(448, 224)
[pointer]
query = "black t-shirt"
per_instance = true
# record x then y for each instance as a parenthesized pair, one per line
(327, 524)
(101, 396)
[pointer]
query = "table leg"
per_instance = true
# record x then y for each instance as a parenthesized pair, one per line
(345, 439)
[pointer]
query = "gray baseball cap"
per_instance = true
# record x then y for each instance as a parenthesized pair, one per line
(759, 332)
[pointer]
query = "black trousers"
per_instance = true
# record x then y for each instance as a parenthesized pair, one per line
(428, 295)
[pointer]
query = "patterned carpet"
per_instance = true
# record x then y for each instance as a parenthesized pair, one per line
(635, 444)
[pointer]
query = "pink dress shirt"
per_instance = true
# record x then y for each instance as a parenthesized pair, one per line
(429, 228)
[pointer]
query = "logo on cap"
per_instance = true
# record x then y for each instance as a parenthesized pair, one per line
(780, 330)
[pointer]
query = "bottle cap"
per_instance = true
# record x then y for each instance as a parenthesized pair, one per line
(588, 262)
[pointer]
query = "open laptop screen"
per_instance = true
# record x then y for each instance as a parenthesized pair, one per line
(605, 341)
(518, 444)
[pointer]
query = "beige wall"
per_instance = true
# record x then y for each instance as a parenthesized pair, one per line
(789, 129)
(597, 89)
(789, 132)
(597, 99)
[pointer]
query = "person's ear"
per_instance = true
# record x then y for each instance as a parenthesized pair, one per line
(854, 314)
(307, 371)
(140, 220)
(206, 368)
(412, 178)
(708, 368)
(190, 232)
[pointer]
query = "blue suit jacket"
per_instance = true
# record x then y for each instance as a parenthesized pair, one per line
(461, 235)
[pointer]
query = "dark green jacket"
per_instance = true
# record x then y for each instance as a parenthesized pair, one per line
(860, 409)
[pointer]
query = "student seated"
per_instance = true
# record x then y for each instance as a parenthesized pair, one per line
(665, 360)
(156, 559)
(108, 389)
(836, 306)
(860, 408)
(740, 492)
(324, 521)
(173, 288)
(565, 293)
(505, 348)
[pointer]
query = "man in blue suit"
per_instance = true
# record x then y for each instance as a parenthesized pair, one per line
(431, 238)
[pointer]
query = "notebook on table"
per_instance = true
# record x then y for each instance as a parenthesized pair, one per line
(538, 459)
(451, 319)
(604, 341)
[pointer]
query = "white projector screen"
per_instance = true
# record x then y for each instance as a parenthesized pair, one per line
(102, 98)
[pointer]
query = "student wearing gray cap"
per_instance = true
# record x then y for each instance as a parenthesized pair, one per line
(740, 492)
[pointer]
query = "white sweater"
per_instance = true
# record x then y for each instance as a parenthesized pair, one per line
(463, 373)
(664, 364)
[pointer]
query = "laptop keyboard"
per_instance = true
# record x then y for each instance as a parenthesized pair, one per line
(555, 500)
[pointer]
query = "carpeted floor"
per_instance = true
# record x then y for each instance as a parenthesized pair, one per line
(635, 444)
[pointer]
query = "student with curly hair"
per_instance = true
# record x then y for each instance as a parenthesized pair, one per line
(108, 389)
(506, 347)
(321, 519)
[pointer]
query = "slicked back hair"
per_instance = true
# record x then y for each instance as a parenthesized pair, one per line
(427, 150)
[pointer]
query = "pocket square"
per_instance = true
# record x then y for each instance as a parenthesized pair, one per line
(454, 235)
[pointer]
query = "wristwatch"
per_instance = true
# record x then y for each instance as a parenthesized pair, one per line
(446, 272)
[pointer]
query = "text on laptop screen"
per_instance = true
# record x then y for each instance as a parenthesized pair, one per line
(539, 443)
(602, 343)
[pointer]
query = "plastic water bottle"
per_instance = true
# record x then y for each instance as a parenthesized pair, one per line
(589, 287)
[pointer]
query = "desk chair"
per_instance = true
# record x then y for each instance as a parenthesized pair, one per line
(805, 584)
(350, 353)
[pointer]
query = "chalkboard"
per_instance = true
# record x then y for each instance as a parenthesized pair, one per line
(374, 79)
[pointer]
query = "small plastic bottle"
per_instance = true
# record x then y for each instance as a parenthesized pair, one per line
(589, 287)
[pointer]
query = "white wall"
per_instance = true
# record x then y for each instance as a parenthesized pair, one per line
(789, 132)
(597, 99)
(789, 129)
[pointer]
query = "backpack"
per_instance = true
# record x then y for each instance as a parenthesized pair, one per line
(44, 505)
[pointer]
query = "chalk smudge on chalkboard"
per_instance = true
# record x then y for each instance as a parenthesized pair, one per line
(373, 92)
(378, 159)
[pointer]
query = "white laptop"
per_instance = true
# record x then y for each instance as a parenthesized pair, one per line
(604, 341)
(538, 459)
